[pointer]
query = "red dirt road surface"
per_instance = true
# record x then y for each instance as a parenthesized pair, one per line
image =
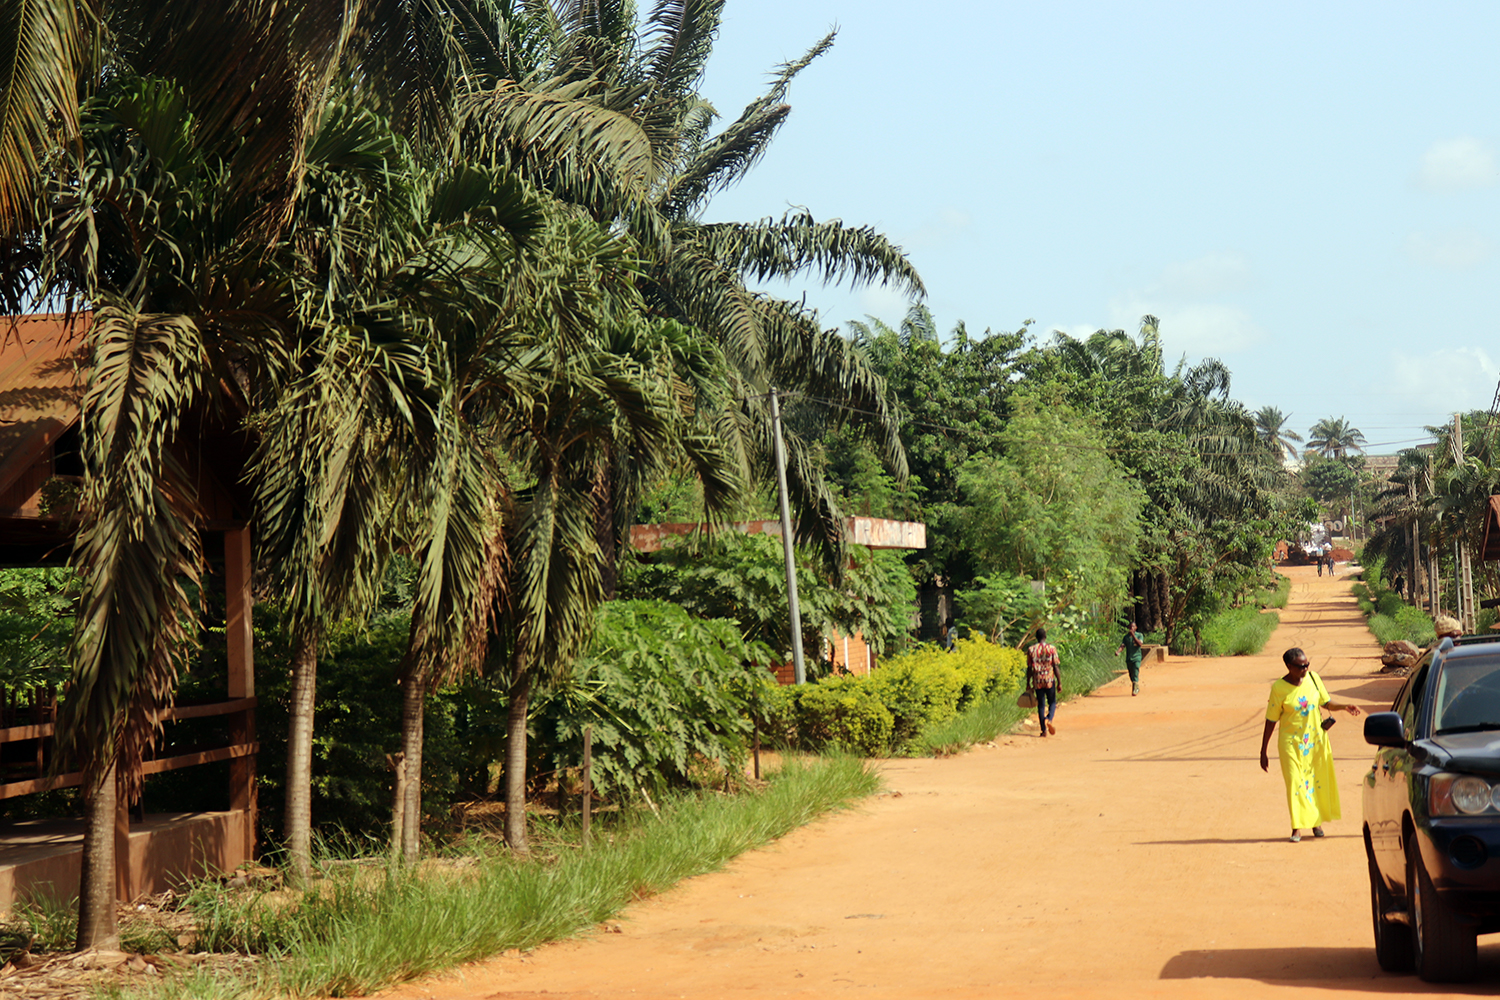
(1140, 853)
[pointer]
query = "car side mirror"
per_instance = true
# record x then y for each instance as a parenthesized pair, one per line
(1385, 729)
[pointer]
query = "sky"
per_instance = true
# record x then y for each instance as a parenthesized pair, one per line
(1308, 192)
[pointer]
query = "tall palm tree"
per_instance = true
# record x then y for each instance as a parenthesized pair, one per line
(1270, 427)
(589, 58)
(171, 177)
(1333, 437)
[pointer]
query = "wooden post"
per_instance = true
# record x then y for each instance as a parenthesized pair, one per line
(239, 635)
(756, 750)
(588, 778)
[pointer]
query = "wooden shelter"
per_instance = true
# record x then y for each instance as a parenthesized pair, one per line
(43, 369)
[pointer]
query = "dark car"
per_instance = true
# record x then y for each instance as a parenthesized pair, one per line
(1432, 812)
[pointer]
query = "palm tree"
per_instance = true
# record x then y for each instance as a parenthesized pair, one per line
(1270, 427)
(170, 182)
(651, 164)
(1332, 437)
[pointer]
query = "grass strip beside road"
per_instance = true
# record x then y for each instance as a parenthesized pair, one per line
(1240, 631)
(363, 928)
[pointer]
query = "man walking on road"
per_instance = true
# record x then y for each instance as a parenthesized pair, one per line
(1131, 644)
(1044, 676)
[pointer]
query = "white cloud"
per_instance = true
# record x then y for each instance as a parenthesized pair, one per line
(1458, 165)
(1454, 251)
(1456, 378)
(1215, 273)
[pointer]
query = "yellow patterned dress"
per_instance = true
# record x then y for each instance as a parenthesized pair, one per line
(1312, 791)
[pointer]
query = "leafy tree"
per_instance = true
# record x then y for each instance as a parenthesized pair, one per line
(1053, 507)
(952, 405)
(1331, 480)
(652, 164)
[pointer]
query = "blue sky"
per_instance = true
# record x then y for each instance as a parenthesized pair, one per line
(1310, 193)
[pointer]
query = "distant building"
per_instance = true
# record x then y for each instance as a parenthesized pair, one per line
(1381, 466)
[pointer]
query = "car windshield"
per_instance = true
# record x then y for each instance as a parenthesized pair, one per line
(1468, 695)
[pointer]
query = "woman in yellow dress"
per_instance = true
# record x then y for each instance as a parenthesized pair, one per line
(1312, 790)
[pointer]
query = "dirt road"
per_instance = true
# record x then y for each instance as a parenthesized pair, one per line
(1141, 853)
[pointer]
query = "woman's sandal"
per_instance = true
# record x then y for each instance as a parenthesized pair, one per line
(1296, 837)
(1318, 832)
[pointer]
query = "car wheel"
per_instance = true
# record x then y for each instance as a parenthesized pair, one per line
(1395, 949)
(1446, 949)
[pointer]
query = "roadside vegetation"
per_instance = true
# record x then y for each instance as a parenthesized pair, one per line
(461, 387)
(1388, 617)
(1242, 631)
(367, 923)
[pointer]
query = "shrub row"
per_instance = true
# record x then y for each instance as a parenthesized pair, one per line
(1388, 617)
(884, 712)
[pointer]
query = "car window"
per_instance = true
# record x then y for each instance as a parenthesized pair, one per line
(1466, 695)
(1409, 701)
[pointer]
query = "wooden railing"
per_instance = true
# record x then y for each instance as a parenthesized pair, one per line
(30, 716)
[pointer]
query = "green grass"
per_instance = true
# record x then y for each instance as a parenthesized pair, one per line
(1239, 631)
(1388, 617)
(1276, 597)
(367, 926)
(1409, 623)
(1087, 663)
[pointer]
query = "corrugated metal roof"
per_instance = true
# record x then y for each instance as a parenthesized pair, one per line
(41, 387)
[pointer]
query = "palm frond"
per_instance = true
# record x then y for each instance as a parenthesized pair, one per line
(43, 52)
(139, 552)
(721, 161)
(796, 243)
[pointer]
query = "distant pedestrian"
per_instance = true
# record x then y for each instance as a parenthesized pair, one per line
(1399, 586)
(1131, 644)
(946, 636)
(1328, 560)
(1044, 677)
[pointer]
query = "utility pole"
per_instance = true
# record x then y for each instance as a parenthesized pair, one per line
(799, 671)
(1463, 570)
(1416, 550)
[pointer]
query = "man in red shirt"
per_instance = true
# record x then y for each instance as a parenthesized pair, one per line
(1044, 676)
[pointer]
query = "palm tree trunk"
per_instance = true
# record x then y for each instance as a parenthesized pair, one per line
(298, 819)
(413, 719)
(97, 927)
(515, 758)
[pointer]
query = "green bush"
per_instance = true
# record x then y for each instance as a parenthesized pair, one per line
(885, 712)
(664, 692)
(843, 713)
(1409, 623)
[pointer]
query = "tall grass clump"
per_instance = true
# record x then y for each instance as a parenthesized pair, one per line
(1238, 631)
(1276, 597)
(366, 926)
